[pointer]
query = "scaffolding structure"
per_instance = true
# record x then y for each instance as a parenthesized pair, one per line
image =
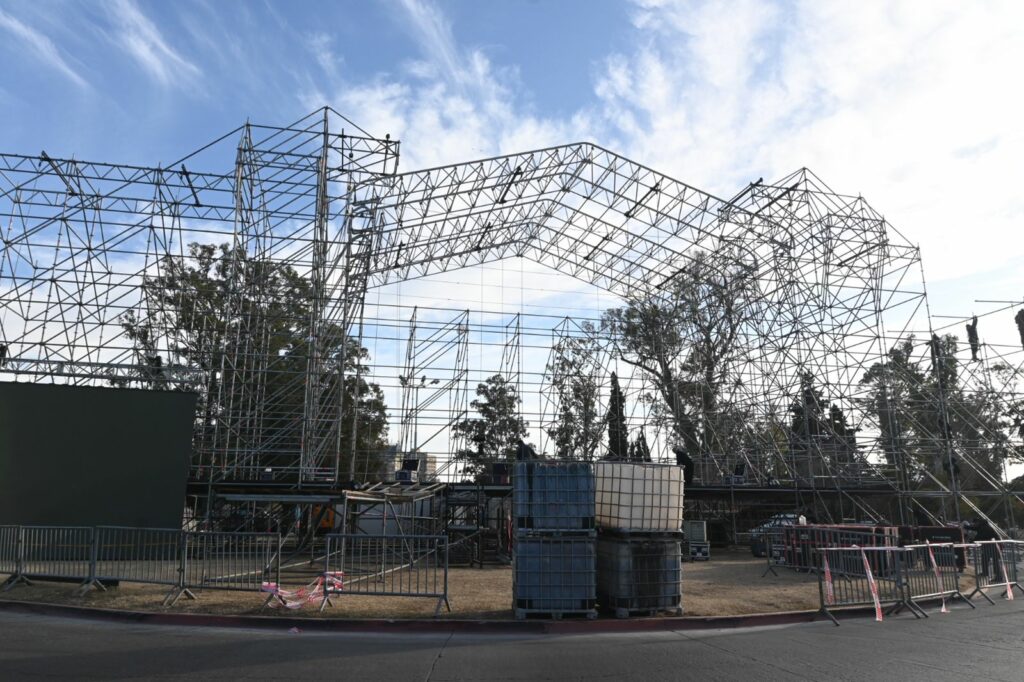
(242, 272)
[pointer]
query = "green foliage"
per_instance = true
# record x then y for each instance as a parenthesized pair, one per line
(819, 428)
(246, 322)
(495, 433)
(578, 427)
(638, 449)
(618, 435)
(687, 339)
(927, 416)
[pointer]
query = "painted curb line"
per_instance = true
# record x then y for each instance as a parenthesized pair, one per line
(496, 627)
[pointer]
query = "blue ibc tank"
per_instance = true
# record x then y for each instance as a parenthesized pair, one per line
(554, 574)
(638, 574)
(553, 496)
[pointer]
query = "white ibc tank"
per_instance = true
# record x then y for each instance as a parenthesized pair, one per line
(639, 497)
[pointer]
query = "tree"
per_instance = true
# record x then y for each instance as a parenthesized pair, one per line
(928, 420)
(618, 436)
(638, 449)
(246, 324)
(818, 431)
(495, 433)
(686, 340)
(578, 427)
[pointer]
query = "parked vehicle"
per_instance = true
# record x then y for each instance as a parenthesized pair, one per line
(757, 534)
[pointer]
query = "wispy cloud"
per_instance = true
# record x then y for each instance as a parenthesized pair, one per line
(42, 46)
(453, 104)
(147, 46)
(911, 108)
(433, 32)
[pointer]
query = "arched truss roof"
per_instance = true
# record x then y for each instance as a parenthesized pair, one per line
(595, 215)
(80, 239)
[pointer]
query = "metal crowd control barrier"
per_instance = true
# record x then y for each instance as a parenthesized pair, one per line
(184, 560)
(140, 555)
(861, 576)
(801, 543)
(10, 537)
(387, 565)
(996, 565)
(774, 550)
(63, 552)
(228, 561)
(930, 571)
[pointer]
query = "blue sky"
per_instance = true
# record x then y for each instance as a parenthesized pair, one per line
(912, 104)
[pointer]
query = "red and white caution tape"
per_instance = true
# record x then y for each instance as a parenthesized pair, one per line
(1006, 576)
(938, 577)
(873, 585)
(312, 593)
(830, 594)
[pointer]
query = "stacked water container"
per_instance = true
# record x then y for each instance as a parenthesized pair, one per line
(554, 558)
(639, 513)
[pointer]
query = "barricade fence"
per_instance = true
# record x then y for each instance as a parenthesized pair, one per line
(190, 561)
(996, 565)
(931, 571)
(387, 566)
(231, 561)
(185, 561)
(893, 578)
(10, 539)
(774, 550)
(860, 576)
(138, 555)
(60, 552)
(800, 544)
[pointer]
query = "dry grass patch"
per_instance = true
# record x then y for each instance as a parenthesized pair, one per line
(729, 584)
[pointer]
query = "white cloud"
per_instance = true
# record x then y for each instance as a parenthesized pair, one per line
(452, 105)
(42, 46)
(147, 46)
(912, 107)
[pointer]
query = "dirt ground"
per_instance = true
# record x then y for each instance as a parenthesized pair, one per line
(730, 584)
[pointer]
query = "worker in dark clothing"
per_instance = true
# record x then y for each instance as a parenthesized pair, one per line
(683, 460)
(954, 470)
(990, 552)
(3, 355)
(155, 365)
(524, 452)
(1019, 319)
(972, 337)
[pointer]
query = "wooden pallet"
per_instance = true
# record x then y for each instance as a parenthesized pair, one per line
(523, 614)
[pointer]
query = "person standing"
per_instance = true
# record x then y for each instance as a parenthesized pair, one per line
(990, 551)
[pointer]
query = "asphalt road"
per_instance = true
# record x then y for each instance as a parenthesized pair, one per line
(983, 644)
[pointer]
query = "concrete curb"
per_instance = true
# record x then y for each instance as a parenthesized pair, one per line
(382, 626)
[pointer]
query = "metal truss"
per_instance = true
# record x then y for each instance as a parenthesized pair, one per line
(85, 246)
(435, 374)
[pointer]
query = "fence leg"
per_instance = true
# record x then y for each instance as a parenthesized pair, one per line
(90, 585)
(978, 590)
(271, 597)
(18, 578)
(91, 582)
(175, 593)
(911, 605)
(14, 581)
(442, 600)
(830, 616)
(960, 595)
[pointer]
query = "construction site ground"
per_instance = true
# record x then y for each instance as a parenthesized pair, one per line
(730, 584)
